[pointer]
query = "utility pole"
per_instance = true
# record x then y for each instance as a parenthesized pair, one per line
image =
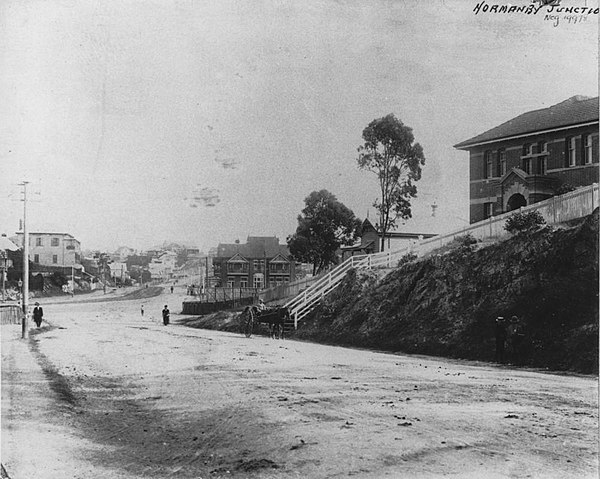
(25, 293)
(4, 257)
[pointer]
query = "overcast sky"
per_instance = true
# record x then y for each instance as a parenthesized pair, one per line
(203, 122)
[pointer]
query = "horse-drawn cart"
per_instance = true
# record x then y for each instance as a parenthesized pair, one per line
(275, 318)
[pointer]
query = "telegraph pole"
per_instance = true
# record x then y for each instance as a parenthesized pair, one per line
(25, 292)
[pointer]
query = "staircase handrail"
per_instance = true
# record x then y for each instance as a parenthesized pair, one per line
(326, 278)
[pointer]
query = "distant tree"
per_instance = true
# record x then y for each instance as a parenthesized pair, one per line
(389, 151)
(324, 225)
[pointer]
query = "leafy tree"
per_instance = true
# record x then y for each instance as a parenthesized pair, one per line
(324, 225)
(389, 151)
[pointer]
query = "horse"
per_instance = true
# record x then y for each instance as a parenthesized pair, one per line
(273, 317)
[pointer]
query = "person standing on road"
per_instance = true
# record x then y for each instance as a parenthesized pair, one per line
(165, 314)
(142, 310)
(171, 289)
(515, 339)
(38, 314)
(500, 339)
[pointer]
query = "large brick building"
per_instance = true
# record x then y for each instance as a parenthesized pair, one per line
(259, 263)
(533, 156)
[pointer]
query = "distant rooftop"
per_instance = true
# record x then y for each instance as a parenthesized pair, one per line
(571, 112)
(44, 233)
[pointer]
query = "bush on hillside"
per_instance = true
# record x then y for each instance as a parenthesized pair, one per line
(466, 241)
(524, 222)
(565, 188)
(407, 258)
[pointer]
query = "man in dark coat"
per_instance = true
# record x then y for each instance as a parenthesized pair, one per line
(500, 338)
(38, 314)
(165, 314)
(516, 336)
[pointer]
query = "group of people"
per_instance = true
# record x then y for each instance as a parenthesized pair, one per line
(509, 335)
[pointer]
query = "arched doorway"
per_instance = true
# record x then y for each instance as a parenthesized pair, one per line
(515, 202)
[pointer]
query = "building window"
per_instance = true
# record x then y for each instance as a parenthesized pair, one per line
(244, 283)
(588, 149)
(527, 149)
(36, 258)
(526, 165)
(230, 282)
(488, 164)
(54, 259)
(501, 162)
(542, 147)
(488, 210)
(237, 267)
(38, 242)
(542, 166)
(54, 242)
(572, 151)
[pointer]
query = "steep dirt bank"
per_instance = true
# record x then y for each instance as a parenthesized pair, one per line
(446, 304)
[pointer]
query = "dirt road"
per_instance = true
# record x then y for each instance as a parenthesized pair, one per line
(102, 392)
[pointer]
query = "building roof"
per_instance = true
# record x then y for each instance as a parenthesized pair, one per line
(44, 233)
(255, 247)
(367, 225)
(6, 244)
(574, 111)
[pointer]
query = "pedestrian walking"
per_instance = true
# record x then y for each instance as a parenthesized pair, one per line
(142, 310)
(500, 338)
(171, 289)
(38, 314)
(165, 314)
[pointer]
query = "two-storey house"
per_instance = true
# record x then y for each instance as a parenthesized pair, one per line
(260, 262)
(533, 157)
(53, 249)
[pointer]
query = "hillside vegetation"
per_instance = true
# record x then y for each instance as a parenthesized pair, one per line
(446, 304)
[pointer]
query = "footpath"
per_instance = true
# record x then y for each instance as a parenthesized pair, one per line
(29, 411)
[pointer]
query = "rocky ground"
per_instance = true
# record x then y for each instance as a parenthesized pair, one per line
(102, 392)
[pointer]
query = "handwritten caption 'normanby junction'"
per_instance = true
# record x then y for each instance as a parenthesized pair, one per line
(533, 9)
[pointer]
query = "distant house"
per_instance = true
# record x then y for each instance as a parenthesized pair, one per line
(533, 156)
(258, 263)
(122, 253)
(162, 265)
(53, 249)
(370, 241)
(192, 252)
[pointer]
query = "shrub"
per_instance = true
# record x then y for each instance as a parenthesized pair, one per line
(523, 222)
(58, 278)
(407, 258)
(565, 188)
(465, 241)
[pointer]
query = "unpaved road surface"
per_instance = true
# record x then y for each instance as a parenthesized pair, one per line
(102, 392)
